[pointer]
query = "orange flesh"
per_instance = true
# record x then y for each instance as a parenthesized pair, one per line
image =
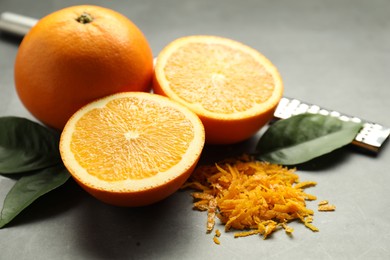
(137, 147)
(223, 79)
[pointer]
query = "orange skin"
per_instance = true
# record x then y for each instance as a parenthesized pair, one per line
(221, 131)
(63, 64)
(139, 198)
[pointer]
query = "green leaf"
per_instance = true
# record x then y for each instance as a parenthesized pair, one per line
(26, 146)
(301, 138)
(29, 188)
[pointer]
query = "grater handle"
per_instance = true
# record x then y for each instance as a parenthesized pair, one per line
(16, 24)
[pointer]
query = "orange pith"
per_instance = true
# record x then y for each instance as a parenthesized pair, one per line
(132, 149)
(233, 88)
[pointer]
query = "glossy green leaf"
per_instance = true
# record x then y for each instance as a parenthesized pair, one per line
(29, 188)
(301, 138)
(26, 146)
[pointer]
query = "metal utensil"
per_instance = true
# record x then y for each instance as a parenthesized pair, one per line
(16, 24)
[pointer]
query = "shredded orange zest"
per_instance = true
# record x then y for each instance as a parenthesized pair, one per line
(252, 196)
(325, 206)
(288, 229)
(323, 202)
(212, 210)
(216, 236)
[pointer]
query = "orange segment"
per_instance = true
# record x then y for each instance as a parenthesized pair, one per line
(132, 149)
(232, 87)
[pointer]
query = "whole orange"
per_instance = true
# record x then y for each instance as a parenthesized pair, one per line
(76, 55)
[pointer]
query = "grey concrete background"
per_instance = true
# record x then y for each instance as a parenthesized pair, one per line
(333, 53)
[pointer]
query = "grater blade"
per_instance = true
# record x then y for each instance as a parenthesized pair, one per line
(370, 138)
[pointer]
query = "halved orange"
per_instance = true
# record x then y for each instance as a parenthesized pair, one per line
(233, 88)
(132, 149)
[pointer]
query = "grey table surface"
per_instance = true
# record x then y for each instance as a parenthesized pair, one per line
(333, 53)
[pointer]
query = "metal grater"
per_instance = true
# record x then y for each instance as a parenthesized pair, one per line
(370, 138)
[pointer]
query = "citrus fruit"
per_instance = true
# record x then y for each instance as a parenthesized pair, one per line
(76, 55)
(133, 148)
(233, 88)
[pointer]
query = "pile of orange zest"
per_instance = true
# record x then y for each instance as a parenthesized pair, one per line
(252, 196)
